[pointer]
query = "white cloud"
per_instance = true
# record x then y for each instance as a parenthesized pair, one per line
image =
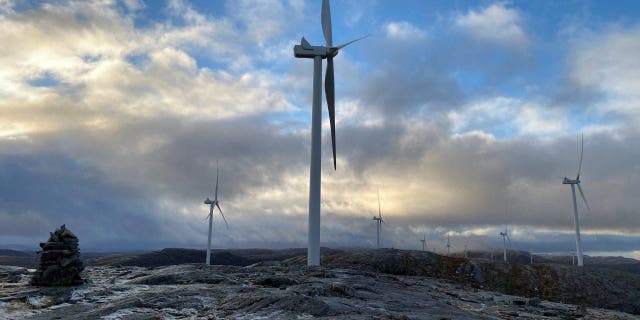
(403, 30)
(86, 46)
(495, 23)
(509, 117)
(608, 63)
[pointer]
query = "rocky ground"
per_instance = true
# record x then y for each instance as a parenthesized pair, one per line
(603, 288)
(268, 290)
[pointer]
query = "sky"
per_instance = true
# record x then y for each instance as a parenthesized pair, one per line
(464, 114)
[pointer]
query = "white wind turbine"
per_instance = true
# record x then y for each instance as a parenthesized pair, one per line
(379, 220)
(448, 245)
(573, 183)
(424, 242)
(505, 238)
(317, 53)
(213, 203)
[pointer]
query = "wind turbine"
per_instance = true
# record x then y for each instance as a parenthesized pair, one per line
(379, 220)
(448, 245)
(424, 242)
(317, 53)
(576, 182)
(505, 238)
(213, 203)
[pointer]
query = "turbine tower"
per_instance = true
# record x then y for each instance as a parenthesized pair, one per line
(424, 242)
(448, 245)
(317, 53)
(213, 203)
(465, 251)
(379, 220)
(576, 182)
(505, 238)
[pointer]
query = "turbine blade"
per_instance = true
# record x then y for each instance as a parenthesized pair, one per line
(325, 20)
(350, 42)
(210, 213)
(581, 152)
(329, 89)
(583, 197)
(216, 180)
(222, 214)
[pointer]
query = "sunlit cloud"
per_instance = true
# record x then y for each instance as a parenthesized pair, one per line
(113, 117)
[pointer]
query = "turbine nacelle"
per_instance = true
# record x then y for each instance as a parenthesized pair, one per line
(306, 50)
(569, 181)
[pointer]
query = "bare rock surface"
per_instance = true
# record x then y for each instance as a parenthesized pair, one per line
(269, 291)
(603, 288)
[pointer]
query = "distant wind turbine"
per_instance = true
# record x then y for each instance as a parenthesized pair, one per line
(424, 242)
(448, 245)
(505, 238)
(379, 220)
(317, 53)
(573, 183)
(213, 203)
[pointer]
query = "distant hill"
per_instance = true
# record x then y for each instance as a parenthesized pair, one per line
(615, 263)
(173, 256)
(29, 259)
(14, 253)
(9, 257)
(524, 257)
(513, 256)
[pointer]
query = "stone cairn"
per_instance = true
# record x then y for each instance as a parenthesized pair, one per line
(60, 263)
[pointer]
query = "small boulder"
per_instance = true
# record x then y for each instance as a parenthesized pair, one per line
(275, 281)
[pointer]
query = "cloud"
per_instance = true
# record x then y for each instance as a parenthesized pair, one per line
(404, 30)
(116, 129)
(495, 24)
(607, 64)
(508, 116)
(409, 75)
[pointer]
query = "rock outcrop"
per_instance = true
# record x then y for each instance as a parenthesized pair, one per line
(59, 260)
(267, 291)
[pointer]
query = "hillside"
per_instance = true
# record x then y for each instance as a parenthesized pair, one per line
(593, 286)
(269, 291)
(597, 287)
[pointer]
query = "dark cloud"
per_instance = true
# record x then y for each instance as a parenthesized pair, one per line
(42, 191)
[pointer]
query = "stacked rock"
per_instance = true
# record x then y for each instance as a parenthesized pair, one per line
(60, 263)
